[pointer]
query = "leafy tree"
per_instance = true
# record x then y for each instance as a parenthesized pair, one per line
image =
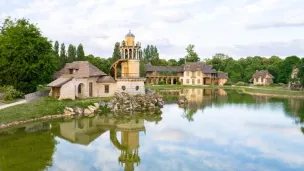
(150, 54)
(191, 55)
(116, 52)
(181, 61)
(80, 52)
(71, 53)
(101, 63)
(26, 57)
(63, 57)
(56, 48)
(286, 68)
(172, 62)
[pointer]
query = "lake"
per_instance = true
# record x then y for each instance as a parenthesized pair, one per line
(218, 130)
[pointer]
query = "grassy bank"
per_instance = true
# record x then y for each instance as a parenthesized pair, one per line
(174, 87)
(274, 91)
(42, 107)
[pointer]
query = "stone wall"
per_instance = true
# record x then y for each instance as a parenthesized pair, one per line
(129, 86)
(36, 95)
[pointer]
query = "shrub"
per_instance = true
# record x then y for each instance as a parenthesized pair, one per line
(228, 83)
(178, 83)
(161, 82)
(11, 93)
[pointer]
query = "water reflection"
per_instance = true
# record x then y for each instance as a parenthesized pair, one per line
(229, 130)
(86, 130)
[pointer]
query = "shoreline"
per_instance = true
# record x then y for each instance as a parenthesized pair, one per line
(27, 121)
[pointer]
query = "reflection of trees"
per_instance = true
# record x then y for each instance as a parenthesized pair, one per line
(26, 151)
(189, 113)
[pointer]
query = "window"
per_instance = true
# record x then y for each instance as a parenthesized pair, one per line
(198, 81)
(193, 74)
(137, 88)
(187, 81)
(107, 88)
(71, 71)
(193, 81)
(123, 88)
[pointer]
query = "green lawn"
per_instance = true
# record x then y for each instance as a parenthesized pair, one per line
(41, 107)
(274, 91)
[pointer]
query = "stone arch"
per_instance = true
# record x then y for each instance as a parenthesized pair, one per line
(80, 90)
(130, 53)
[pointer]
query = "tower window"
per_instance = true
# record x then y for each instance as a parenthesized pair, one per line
(123, 88)
(137, 88)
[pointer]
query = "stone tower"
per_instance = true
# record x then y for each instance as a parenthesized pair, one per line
(129, 80)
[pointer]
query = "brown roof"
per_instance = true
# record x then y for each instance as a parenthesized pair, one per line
(261, 74)
(105, 79)
(59, 81)
(151, 68)
(222, 75)
(199, 66)
(83, 69)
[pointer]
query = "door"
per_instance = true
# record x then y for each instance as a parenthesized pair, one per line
(90, 89)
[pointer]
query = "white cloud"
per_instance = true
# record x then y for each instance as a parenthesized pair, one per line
(213, 26)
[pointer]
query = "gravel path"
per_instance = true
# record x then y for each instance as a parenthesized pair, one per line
(12, 104)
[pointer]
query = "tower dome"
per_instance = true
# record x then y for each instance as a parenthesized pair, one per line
(130, 34)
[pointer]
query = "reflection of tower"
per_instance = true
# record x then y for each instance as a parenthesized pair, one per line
(130, 80)
(129, 143)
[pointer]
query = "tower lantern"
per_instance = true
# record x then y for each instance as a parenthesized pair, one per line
(129, 80)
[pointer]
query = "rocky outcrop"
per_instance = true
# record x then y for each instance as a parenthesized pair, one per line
(125, 103)
(182, 100)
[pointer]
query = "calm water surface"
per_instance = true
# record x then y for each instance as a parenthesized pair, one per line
(217, 130)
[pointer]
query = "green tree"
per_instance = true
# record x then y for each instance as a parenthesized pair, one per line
(80, 52)
(56, 49)
(172, 62)
(116, 52)
(63, 57)
(191, 54)
(286, 68)
(71, 53)
(150, 54)
(26, 57)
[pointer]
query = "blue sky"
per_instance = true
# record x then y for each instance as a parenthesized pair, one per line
(238, 28)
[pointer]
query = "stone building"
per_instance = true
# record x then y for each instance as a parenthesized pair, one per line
(129, 80)
(191, 73)
(262, 77)
(80, 79)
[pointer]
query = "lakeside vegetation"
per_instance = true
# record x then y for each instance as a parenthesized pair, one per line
(42, 107)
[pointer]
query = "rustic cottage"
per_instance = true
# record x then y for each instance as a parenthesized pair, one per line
(262, 77)
(81, 79)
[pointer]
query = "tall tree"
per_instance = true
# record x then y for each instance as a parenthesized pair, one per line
(25, 67)
(56, 48)
(71, 53)
(191, 54)
(63, 57)
(80, 52)
(150, 54)
(286, 68)
(116, 52)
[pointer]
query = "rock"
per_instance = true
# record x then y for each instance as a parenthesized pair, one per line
(87, 112)
(78, 111)
(67, 112)
(96, 105)
(92, 108)
(182, 100)
(91, 115)
(69, 109)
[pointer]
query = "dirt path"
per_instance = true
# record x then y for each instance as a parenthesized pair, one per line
(12, 104)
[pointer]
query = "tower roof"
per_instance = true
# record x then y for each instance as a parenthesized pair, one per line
(130, 34)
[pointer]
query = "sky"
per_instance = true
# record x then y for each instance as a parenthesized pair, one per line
(238, 28)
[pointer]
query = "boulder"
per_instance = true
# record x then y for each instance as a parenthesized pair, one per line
(69, 109)
(92, 108)
(78, 111)
(96, 105)
(87, 112)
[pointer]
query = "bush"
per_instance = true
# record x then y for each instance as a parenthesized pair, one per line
(161, 82)
(11, 93)
(241, 84)
(228, 83)
(178, 83)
